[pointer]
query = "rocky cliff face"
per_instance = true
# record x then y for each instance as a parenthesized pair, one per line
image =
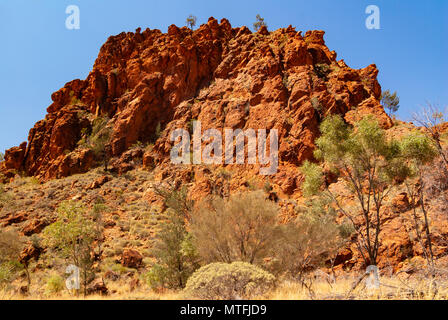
(226, 77)
(146, 84)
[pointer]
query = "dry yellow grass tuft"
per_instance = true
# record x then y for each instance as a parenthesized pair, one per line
(392, 288)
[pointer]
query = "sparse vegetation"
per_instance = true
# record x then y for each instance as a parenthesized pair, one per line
(11, 246)
(191, 21)
(309, 241)
(5, 198)
(75, 100)
(418, 150)
(242, 228)
(73, 236)
(368, 162)
(322, 70)
(259, 23)
(431, 118)
(55, 284)
(316, 104)
(97, 139)
(390, 101)
(176, 256)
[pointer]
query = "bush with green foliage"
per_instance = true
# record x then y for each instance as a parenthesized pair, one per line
(177, 200)
(390, 101)
(8, 272)
(224, 281)
(418, 150)
(317, 106)
(368, 163)
(55, 284)
(259, 23)
(176, 255)
(73, 236)
(240, 228)
(191, 21)
(97, 138)
(322, 70)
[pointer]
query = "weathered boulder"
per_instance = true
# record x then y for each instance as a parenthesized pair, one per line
(131, 258)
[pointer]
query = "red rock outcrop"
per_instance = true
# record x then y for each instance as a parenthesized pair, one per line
(131, 258)
(223, 76)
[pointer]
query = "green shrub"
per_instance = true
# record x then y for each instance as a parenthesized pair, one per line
(259, 23)
(55, 284)
(369, 162)
(191, 21)
(97, 138)
(229, 281)
(176, 255)
(159, 130)
(155, 277)
(73, 235)
(322, 70)
(8, 271)
(390, 101)
(120, 269)
(316, 104)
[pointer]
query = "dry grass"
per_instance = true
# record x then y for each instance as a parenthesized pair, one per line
(391, 289)
(119, 290)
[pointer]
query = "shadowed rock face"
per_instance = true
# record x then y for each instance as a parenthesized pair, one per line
(225, 77)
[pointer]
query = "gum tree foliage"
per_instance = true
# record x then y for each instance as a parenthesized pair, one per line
(191, 21)
(97, 139)
(367, 162)
(73, 236)
(417, 151)
(390, 101)
(259, 23)
(176, 255)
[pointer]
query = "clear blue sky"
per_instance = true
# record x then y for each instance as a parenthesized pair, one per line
(38, 55)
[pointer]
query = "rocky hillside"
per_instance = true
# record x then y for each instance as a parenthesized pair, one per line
(146, 84)
(223, 76)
